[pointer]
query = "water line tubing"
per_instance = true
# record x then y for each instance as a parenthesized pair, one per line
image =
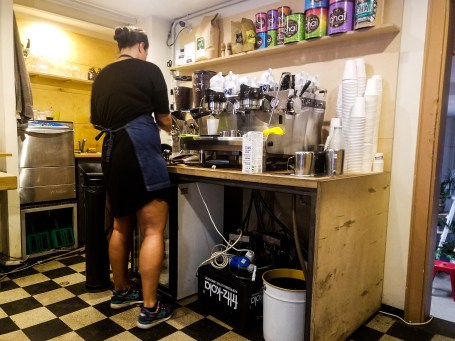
(195, 15)
(296, 238)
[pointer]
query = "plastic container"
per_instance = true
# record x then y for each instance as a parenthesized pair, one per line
(62, 237)
(284, 303)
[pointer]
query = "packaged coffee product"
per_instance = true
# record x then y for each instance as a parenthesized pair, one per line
(295, 28)
(236, 37)
(207, 38)
(283, 12)
(272, 19)
(368, 13)
(243, 36)
(261, 40)
(261, 22)
(309, 4)
(271, 38)
(248, 34)
(340, 17)
(315, 23)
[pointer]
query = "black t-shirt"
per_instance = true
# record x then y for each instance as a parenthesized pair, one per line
(125, 90)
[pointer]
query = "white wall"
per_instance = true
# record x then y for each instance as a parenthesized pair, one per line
(404, 147)
(9, 201)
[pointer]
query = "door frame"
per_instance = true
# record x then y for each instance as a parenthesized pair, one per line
(430, 142)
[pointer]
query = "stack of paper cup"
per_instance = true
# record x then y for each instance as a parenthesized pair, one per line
(349, 91)
(339, 106)
(378, 82)
(371, 109)
(355, 136)
(361, 76)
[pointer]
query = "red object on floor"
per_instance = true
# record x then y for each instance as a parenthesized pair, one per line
(448, 268)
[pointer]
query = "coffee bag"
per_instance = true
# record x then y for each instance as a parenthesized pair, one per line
(207, 38)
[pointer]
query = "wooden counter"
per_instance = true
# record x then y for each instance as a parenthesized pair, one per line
(87, 155)
(346, 247)
(7, 181)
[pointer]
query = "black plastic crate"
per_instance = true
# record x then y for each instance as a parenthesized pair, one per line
(236, 301)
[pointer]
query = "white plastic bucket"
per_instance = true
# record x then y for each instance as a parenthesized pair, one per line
(284, 305)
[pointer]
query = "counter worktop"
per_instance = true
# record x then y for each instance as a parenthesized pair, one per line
(7, 181)
(278, 178)
(87, 155)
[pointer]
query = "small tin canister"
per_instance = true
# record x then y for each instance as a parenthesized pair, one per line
(295, 28)
(283, 12)
(261, 40)
(309, 4)
(272, 36)
(315, 23)
(281, 32)
(261, 22)
(340, 17)
(272, 19)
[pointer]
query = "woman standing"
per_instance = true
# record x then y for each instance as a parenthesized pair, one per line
(125, 94)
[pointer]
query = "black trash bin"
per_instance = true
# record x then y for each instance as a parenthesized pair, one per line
(93, 203)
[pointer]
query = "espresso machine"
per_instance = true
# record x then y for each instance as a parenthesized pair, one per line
(299, 114)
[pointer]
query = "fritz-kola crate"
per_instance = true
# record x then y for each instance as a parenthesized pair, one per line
(235, 300)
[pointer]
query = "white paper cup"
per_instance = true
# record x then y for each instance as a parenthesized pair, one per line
(372, 87)
(212, 126)
(350, 69)
(358, 109)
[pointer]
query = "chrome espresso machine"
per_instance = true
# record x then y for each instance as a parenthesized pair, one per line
(299, 113)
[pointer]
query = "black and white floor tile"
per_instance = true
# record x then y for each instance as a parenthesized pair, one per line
(49, 301)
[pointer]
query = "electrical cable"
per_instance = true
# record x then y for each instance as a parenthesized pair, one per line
(175, 39)
(224, 249)
(296, 238)
(280, 223)
(43, 261)
(258, 215)
(406, 322)
(246, 219)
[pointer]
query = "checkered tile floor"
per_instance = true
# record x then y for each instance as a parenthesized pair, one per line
(49, 302)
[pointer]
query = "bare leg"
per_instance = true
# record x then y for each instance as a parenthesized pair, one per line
(152, 220)
(119, 250)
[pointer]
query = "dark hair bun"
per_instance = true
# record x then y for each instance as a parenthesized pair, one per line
(121, 36)
(128, 36)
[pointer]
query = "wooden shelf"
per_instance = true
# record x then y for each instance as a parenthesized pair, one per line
(7, 181)
(57, 78)
(281, 49)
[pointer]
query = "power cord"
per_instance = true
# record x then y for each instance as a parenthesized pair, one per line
(42, 261)
(406, 322)
(219, 259)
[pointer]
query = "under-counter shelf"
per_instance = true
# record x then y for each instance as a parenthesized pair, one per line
(280, 49)
(56, 78)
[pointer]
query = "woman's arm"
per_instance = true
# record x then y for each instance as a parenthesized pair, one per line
(164, 121)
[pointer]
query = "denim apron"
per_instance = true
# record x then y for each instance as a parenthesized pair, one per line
(144, 134)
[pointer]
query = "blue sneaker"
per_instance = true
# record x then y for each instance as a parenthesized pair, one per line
(121, 300)
(148, 319)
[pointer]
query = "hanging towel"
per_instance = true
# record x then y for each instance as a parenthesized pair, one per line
(24, 99)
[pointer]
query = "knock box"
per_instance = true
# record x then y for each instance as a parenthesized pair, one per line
(237, 301)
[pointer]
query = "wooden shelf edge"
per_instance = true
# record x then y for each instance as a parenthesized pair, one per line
(7, 181)
(326, 40)
(33, 74)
